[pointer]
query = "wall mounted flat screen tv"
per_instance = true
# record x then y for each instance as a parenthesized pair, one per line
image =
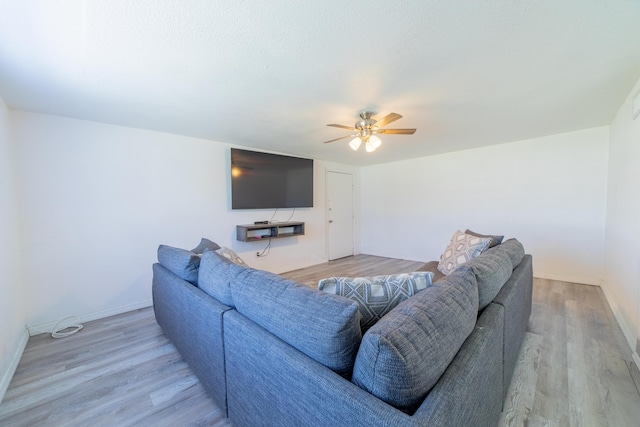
(268, 181)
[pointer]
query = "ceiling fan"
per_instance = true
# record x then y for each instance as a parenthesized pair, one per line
(367, 130)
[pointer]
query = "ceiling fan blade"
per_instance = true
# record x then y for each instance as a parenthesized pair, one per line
(338, 139)
(343, 127)
(397, 131)
(391, 117)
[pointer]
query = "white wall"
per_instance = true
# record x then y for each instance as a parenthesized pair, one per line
(98, 199)
(549, 193)
(13, 336)
(622, 247)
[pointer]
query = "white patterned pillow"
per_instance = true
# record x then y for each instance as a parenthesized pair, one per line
(378, 295)
(462, 248)
(231, 256)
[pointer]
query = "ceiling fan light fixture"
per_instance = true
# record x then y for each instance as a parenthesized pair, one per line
(369, 146)
(374, 141)
(355, 143)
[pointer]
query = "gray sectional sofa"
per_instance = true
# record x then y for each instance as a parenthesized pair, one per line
(271, 351)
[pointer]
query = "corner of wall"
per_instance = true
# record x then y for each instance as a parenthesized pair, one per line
(621, 288)
(632, 342)
(7, 375)
(14, 336)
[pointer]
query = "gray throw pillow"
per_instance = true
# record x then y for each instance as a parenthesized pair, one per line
(181, 262)
(377, 295)
(205, 244)
(495, 240)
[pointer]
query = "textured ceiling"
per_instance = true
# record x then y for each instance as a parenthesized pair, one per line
(272, 74)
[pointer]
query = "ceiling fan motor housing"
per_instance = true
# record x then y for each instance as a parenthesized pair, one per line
(366, 126)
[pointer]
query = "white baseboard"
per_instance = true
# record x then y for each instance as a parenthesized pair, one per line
(45, 327)
(7, 375)
(571, 279)
(626, 331)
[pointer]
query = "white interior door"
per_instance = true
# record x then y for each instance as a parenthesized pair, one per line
(340, 214)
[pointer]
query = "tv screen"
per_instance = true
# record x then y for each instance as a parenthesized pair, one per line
(267, 181)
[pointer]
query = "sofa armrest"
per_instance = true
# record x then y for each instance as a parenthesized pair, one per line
(192, 320)
(469, 392)
(516, 298)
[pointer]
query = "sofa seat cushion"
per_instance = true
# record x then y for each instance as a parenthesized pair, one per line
(377, 295)
(403, 355)
(323, 326)
(181, 262)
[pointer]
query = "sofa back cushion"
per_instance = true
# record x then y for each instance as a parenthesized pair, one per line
(181, 262)
(323, 326)
(213, 277)
(514, 249)
(494, 267)
(403, 355)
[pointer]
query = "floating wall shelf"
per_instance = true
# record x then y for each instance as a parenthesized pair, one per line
(278, 230)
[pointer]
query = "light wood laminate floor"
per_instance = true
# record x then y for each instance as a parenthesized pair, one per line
(575, 368)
